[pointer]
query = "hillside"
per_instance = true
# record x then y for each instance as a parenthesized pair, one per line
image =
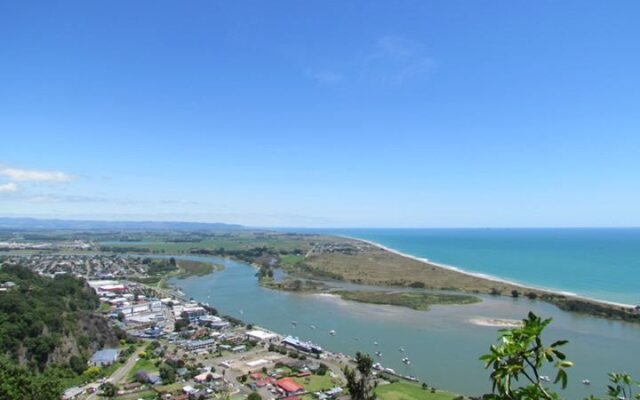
(46, 321)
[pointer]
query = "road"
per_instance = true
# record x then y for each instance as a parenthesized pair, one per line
(118, 375)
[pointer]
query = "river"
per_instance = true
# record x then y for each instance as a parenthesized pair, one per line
(442, 343)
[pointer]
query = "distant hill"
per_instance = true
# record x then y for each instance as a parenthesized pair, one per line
(88, 225)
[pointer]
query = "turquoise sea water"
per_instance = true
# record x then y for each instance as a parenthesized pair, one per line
(598, 263)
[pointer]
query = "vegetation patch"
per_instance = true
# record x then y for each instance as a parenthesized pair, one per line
(316, 383)
(142, 365)
(413, 300)
(410, 391)
(196, 268)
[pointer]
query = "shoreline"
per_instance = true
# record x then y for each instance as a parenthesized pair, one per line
(552, 292)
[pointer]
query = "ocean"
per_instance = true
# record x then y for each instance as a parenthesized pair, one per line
(600, 263)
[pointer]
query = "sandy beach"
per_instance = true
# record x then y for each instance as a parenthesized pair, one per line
(493, 278)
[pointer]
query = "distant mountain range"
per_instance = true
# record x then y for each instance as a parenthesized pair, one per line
(35, 223)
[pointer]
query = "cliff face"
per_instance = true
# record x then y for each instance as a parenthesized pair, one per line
(91, 333)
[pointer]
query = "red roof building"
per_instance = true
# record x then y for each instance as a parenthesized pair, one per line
(289, 385)
(256, 376)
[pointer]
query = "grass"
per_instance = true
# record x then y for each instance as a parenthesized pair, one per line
(315, 383)
(410, 391)
(146, 395)
(197, 268)
(290, 259)
(231, 241)
(142, 365)
(413, 300)
(172, 387)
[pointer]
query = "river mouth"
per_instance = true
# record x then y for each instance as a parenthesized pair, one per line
(443, 343)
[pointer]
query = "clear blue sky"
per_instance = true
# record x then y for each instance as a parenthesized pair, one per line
(322, 113)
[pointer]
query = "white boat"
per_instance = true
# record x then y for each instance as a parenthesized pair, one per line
(401, 349)
(586, 382)
(545, 378)
(379, 354)
(312, 326)
(406, 360)
(375, 343)
(332, 332)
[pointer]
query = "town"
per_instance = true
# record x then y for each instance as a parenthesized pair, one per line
(176, 348)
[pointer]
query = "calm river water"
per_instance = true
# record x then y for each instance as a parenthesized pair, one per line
(442, 343)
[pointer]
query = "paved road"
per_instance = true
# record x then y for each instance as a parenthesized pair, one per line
(119, 374)
(122, 371)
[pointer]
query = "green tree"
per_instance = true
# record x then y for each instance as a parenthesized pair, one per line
(77, 364)
(322, 369)
(254, 396)
(167, 374)
(521, 354)
(109, 390)
(22, 383)
(359, 380)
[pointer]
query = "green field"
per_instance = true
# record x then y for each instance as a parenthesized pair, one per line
(230, 242)
(413, 300)
(315, 383)
(142, 365)
(410, 391)
(197, 268)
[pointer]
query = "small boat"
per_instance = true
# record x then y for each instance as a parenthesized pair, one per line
(312, 326)
(375, 343)
(406, 360)
(545, 378)
(401, 349)
(241, 312)
(332, 332)
(294, 323)
(586, 382)
(379, 354)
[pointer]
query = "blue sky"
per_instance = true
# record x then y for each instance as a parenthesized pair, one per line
(333, 113)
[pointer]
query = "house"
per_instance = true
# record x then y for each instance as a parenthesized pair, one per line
(203, 377)
(290, 386)
(104, 357)
(256, 376)
(189, 389)
(154, 379)
(239, 349)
